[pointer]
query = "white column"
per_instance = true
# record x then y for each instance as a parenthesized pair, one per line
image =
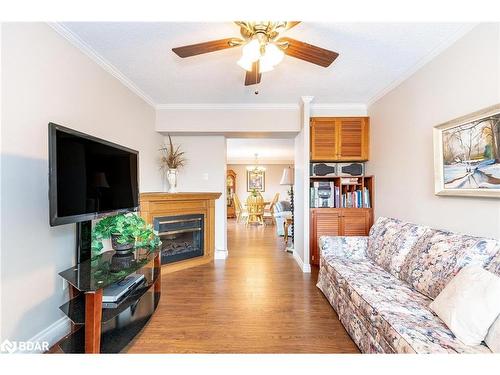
(306, 117)
(301, 209)
(221, 252)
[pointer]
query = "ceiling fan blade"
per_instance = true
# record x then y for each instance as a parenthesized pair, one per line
(206, 47)
(308, 52)
(253, 77)
(290, 24)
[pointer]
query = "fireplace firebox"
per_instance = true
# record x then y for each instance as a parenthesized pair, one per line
(182, 237)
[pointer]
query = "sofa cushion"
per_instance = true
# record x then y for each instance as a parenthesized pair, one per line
(352, 247)
(390, 242)
(494, 265)
(438, 257)
(398, 316)
(469, 304)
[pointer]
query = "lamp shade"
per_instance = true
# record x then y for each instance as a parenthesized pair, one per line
(288, 176)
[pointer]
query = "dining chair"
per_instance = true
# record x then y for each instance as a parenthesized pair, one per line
(241, 213)
(269, 212)
(255, 207)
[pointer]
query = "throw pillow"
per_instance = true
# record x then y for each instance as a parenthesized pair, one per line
(469, 304)
(493, 337)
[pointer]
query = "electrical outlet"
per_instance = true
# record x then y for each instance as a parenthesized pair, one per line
(205, 176)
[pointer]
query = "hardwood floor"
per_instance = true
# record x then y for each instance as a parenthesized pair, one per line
(255, 301)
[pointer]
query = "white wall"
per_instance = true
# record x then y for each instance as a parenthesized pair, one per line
(463, 79)
(273, 178)
(44, 78)
(249, 119)
(228, 118)
(205, 171)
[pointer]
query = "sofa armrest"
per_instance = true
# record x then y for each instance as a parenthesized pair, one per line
(346, 247)
(283, 214)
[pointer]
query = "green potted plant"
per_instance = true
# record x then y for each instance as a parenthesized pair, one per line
(126, 232)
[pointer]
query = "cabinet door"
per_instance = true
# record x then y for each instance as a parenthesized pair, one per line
(324, 139)
(353, 138)
(355, 222)
(325, 222)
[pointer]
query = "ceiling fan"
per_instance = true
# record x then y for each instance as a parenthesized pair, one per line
(263, 48)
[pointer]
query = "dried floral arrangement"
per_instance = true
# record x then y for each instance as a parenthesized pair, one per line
(172, 157)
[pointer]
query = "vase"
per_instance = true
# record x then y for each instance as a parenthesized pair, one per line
(172, 180)
(164, 182)
(122, 248)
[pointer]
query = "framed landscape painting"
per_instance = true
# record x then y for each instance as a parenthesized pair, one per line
(256, 180)
(467, 155)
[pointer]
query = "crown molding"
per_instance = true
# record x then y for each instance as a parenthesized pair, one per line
(423, 61)
(76, 41)
(259, 106)
(262, 161)
(227, 106)
(338, 106)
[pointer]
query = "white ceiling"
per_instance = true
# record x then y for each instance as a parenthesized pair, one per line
(372, 57)
(270, 151)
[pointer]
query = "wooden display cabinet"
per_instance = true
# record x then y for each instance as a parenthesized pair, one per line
(231, 190)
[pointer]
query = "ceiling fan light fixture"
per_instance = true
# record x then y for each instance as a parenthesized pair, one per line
(273, 55)
(251, 51)
(265, 66)
(263, 48)
(245, 63)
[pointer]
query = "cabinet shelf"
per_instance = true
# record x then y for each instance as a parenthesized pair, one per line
(335, 177)
(343, 195)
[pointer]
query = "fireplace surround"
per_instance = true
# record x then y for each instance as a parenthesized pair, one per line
(186, 225)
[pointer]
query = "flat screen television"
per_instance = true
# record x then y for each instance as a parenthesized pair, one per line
(89, 177)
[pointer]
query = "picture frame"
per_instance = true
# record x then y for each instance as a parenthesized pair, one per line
(256, 180)
(467, 155)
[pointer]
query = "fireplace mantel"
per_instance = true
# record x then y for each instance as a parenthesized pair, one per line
(157, 205)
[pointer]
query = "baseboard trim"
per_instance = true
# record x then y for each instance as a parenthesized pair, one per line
(306, 268)
(220, 254)
(52, 334)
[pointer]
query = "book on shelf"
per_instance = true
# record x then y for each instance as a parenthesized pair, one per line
(356, 199)
(366, 198)
(324, 194)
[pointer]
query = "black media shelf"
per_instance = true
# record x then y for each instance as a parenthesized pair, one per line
(107, 268)
(109, 330)
(116, 333)
(75, 308)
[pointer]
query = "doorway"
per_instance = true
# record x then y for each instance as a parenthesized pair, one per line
(258, 199)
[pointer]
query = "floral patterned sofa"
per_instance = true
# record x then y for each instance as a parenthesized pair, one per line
(381, 285)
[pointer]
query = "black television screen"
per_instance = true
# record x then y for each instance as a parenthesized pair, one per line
(89, 177)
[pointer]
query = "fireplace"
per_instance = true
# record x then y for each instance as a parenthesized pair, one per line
(182, 237)
(192, 217)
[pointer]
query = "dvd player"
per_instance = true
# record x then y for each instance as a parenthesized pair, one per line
(117, 290)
